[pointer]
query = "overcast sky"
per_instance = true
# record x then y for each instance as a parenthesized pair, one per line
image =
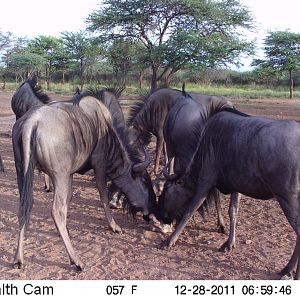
(40, 17)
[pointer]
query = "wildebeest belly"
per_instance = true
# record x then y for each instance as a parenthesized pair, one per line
(252, 187)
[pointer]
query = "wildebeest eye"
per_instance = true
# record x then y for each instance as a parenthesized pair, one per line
(179, 182)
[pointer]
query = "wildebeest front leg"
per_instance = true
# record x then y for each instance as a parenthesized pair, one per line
(101, 185)
(62, 197)
(195, 203)
(233, 211)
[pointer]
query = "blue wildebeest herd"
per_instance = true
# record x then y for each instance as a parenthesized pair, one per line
(210, 147)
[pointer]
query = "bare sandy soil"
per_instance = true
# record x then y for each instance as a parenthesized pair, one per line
(265, 240)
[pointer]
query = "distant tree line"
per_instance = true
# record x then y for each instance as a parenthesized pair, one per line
(156, 41)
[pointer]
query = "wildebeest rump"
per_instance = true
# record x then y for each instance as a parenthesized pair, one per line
(182, 130)
(63, 139)
(257, 157)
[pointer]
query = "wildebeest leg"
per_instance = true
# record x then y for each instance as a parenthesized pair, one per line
(101, 185)
(62, 197)
(1, 165)
(159, 147)
(233, 211)
(19, 256)
(221, 223)
(195, 203)
(47, 186)
(287, 270)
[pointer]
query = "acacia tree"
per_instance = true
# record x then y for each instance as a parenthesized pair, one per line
(126, 56)
(51, 48)
(176, 32)
(282, 51)
(82, 50)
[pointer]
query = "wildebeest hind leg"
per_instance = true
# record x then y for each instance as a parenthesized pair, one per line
(159, 148)
(233, 211)
(62, 197)
(287, 270)
(221, 223)
(101, 185)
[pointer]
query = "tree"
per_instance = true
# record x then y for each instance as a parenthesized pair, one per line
(5, 40)
(282, 51)
(125, 56)
(82, 50)
(176, 32)
(51, 48)
(24, 63)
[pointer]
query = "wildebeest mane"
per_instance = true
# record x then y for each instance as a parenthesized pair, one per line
(37, 89)
(133, 111)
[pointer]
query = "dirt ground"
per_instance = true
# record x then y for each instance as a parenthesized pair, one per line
(265, 240)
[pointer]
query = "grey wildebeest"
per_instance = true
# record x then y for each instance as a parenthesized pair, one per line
(254, 156)
(182, 129)
(62, 139)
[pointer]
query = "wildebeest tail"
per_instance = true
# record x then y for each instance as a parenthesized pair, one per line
(26, 192)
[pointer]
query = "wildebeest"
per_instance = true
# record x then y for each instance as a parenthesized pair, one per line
(28, 95)
(182, 129)
(1, 164)
(148, 117)
(254, 156)
(62, 139)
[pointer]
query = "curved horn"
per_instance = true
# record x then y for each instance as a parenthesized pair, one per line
(166, 171)
(140, 167)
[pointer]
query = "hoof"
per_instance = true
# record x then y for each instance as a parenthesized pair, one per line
(117, 229)
(165, 245)
(79, 266)
(221, 229)
(226, 247)
(17, 265)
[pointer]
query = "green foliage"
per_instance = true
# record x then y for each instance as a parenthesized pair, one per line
(282, 51)
(176, 32)
(24, 63)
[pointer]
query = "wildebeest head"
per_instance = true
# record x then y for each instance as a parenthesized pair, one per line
(138, 187)
(172, 203)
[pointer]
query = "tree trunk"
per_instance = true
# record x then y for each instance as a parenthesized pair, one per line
(291, 85)
(154, 79)
(4, 82)
(81, 75)
(141, 79)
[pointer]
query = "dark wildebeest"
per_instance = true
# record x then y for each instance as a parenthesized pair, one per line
(255, 156)
(62, 139)
(182, 129)
(1, 164)
(148, 117)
